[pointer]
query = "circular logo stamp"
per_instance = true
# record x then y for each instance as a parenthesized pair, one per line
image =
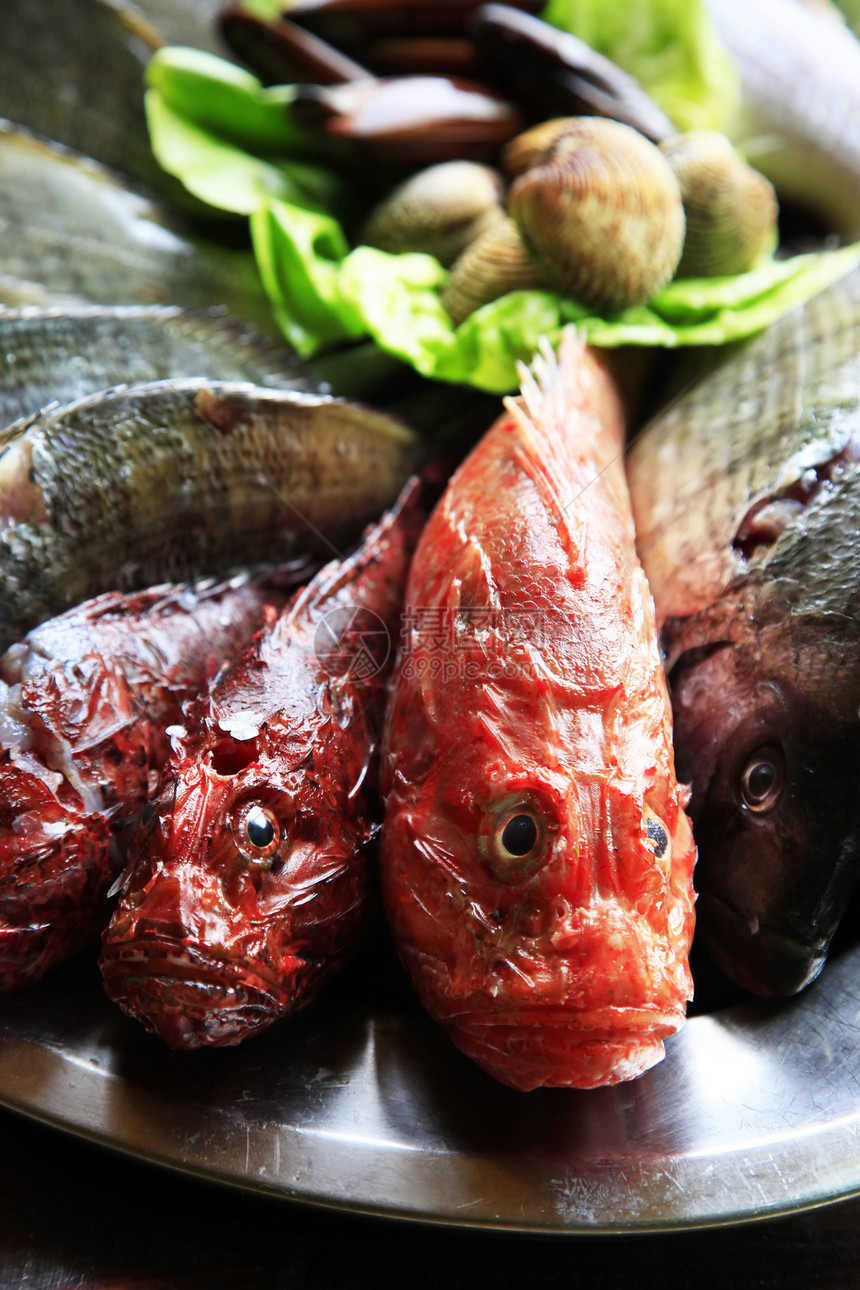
(352, 642)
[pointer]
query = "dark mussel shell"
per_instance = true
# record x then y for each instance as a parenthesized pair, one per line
(420, 56)
(347, 22)
(410, 120)
(557, 74)
(280, 52)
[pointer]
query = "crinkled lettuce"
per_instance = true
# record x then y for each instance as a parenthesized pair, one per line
(670, 46)
(232, 144)
(324, 293)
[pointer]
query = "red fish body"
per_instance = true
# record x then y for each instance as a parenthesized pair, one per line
(537, 860)
(83, 702)
(252, 886)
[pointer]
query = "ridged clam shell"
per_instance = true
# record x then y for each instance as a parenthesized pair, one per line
(440, 210)
(532, 146)
(731, 209)
(601, 214)
(495, 263)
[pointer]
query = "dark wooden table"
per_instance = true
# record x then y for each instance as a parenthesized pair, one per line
(74, 1216)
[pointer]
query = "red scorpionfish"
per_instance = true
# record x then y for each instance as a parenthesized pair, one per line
(253, 884)
(83, 702)
(537, 859)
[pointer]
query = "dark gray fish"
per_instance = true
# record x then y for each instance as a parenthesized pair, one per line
(174, 480)
(17, 293)
(746, 495)
(60, 355)
(74, 71)
(799, 121)
(67, 223)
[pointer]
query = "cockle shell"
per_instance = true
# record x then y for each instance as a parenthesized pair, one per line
(730, 208)
(439, 210)
(601, 214)
(494, 264)
(532, 146)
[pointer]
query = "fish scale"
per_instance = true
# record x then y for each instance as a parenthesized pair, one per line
(83, 702)
(560, 956)
(225, 928)
(68, 224)
(58, 355)
(98, 491)
(769, 432)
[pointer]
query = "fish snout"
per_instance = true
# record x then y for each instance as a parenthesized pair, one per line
(154, 912)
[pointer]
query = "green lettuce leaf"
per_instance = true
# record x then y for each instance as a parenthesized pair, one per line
(323, 294)
(227, 101)
(670, 46)
(231, 143)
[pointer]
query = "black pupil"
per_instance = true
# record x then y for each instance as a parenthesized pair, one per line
(261, 830)
(658, 836)
(519, 835)
(760, 780)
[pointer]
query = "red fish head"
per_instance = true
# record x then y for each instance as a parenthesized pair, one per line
(55, 867)
(251, 889)
(537, 874)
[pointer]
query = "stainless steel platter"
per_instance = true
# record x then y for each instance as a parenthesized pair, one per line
(755, 1112)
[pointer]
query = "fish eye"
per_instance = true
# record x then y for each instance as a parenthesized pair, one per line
(762, 779)
(658, 836)
(520, 834)
(514, 840)
(257, 833)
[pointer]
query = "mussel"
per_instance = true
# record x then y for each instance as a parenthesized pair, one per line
(346, 22)
(410, 120)
(279, 51)
(557, 74)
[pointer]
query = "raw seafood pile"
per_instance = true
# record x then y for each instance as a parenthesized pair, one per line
(537, 862)
(537, 858)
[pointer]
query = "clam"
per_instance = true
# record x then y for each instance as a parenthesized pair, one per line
(730, 208)
(439, 210)
(601, 214)
(496, 262)
(532, 146)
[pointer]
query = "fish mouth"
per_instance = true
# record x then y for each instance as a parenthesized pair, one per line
(561, 1047)
(193, 999)
(764, 960)
(47, 918)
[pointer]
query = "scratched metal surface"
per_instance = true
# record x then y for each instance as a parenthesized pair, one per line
(754, 1112)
